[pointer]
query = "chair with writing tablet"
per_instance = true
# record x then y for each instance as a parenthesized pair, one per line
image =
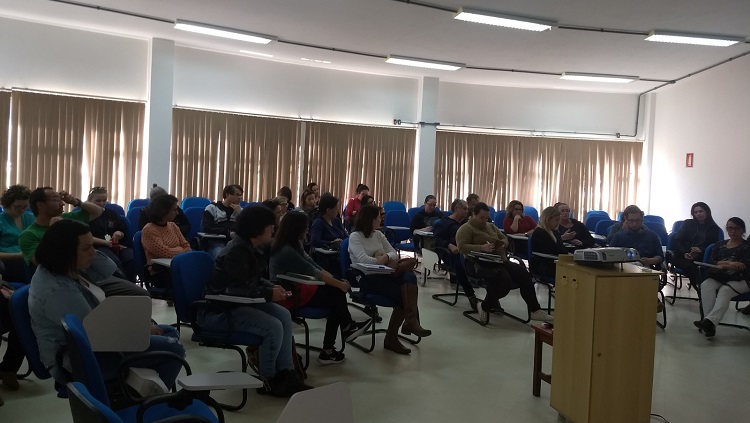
(704, 266)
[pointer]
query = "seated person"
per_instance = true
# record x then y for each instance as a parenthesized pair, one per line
(617, 227)
(733, 258)
(516, 222)
(424, 219)
(114, 226)
(471, 201)
(220, 218)
(478, 235)
(368, 199)
(59, 288)
(238, 271)
(180, 220)
(278, 210)
(327, 232)
(571, 230)
(368, 245)
(286, 192)
(444, 233)
(162, 238)
(692, 239)
(313, 186)
(355, 203)
(308, 203)
(287, 255)
(13, 221)
(546, 239)
(635, 235)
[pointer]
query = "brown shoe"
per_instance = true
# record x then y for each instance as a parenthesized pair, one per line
(10, 380)
(393, 344)
(745, 310)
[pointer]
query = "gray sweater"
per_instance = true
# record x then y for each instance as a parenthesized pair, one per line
(287, 259)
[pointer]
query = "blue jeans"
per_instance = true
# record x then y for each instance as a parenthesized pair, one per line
(214, 247)
(270, 321)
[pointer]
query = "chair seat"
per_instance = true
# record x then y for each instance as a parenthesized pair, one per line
(235, 338)
(311, 313)
(163, 411)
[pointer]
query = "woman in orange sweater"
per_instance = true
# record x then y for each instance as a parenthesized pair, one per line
(163, 238)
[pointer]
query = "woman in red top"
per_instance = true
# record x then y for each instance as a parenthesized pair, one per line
(516, 222)
(355, 203)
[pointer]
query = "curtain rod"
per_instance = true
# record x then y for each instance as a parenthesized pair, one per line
(27, 90)
(487, 130)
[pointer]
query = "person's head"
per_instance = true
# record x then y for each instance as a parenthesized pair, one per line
(308, 199)
(46, 202)
(633, 216)
(564, 211)
(276, 208)
(367, 220)
(66, 247)
(480, 213)
(256, 224)
(15, 199)
(98, 196)
(514, 207)
(313, 186)
(367, 199)
(156, 191)
(472, 200)
(430, 202)
(362, 190)
(286, 192)
(162, 209)
(459, 209)
(232, 194)
(549, 220)
(292, 231)
(701, 212)
(735, 228)
(328, 206)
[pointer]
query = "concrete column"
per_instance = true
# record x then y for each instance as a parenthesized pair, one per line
(158, 137)
(424, 175)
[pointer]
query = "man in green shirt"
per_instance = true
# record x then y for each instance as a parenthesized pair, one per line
(47, 205)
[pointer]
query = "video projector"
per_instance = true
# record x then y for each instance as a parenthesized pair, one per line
(605, 256)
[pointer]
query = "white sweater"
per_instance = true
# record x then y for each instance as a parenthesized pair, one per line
(362, 249)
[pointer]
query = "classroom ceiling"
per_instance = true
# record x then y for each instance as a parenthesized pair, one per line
(370, 30)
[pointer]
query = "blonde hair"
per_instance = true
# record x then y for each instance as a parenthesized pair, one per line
(547, 214)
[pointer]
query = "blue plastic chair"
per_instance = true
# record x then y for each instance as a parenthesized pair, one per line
(394, 205)
(86, 371)
(188, 202)
(532, 212)
(546, 280)
(499, 217)
(492, 212)
(116, 208)
(737, 298)
(412, 212)
(592, 220)
(596, 213)
(603, 227)
(195, 217)
(678, 224)
(141, 270)
(134, 214)
(138, 202)
(650, 218)
(660, 230)
(399, 222)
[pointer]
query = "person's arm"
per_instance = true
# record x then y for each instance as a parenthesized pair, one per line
(464, 241)
(28, 243)
(583, 235)
(542, 243)
(243, 276)
(527, 225)
(209, 224)
(317, 232)
(350, 209)
(11, 256)
(155, 244)
(385, 245)
(513, 225)
(680, 244)
(91, 209)
(357, 250)
(417, 222)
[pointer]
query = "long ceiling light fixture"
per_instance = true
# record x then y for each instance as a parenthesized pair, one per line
(220, 31)
(598, 77)
(423, 63)
(500, 19)
(697, 39)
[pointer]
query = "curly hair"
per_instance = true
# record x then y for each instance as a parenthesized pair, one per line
(13, 194)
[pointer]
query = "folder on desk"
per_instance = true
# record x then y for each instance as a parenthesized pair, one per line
(373, 269)
(120, 324)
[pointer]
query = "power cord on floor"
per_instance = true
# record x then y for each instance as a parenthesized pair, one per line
(659, 416)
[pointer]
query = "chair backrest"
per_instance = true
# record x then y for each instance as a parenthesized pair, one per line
(592, 220)
(188, 202)
(653, 219)
(83, 362)
(397, 218)
(670, 241)
(394, 205)
(602, 226)
(134, 214)
(116, 208)
(677, 225)
(191, 272)
(19, 311)
(139, 257)
(532, 212)
(499, 217)
(660, 230)
(330, 403)
(87, 409)
(138, 202)
(412, 212)
(195, 217)
(707, 253)
(493, 212)
(596, 213)
(244, 204)
(345, 260)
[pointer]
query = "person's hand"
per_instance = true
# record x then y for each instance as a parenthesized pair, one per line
(236, 207)
(6, 292)
(68, 198)
(453, 248)
(427, 229)
(576, 242)
(487, 248)
(695, 251)
(278, 294)
(337, 240)
(688, 256)
(517, 217)
(383, 259)
(117, 236)
(55, 220)
(568, 235)
(344, 286)
(156, 330)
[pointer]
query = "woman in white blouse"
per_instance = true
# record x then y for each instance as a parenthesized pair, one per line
(368, 245)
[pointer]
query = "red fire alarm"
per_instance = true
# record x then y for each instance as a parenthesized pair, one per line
(689, 160)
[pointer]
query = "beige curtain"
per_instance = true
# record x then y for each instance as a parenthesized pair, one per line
(339, 157)
(588, 175)
(74, 143)
(211, 150)
(4, 135)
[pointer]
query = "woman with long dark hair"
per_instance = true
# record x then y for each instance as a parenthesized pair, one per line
(288, 256)
(692, 239)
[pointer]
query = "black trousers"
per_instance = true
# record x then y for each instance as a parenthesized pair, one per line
(500, 279)
(332, 298)
(688, 268)
(14, 355)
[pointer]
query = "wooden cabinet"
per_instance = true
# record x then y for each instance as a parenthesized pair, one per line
(603, 358)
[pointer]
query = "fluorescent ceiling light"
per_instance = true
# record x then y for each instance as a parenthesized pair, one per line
(598, 77)
(314, 60)
(423, 63)
(255, 53)
(701, 40)
(498, 19)
(220, 31)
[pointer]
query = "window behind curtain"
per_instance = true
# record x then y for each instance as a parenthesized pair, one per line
(588, 175)
(211, 150)
(75, 143)
(339, 157)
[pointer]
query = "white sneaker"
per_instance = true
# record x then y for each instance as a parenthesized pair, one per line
(541, 316)
(145, 381)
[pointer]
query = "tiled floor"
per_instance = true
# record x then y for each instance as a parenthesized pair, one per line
(469, 373)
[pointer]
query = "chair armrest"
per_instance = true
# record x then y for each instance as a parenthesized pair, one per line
(126, 363)
(180, 400)
(545, 256)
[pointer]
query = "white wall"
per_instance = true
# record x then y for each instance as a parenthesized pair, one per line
(210, 80)
(51, 58)
(536, 109)
(706, 115)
